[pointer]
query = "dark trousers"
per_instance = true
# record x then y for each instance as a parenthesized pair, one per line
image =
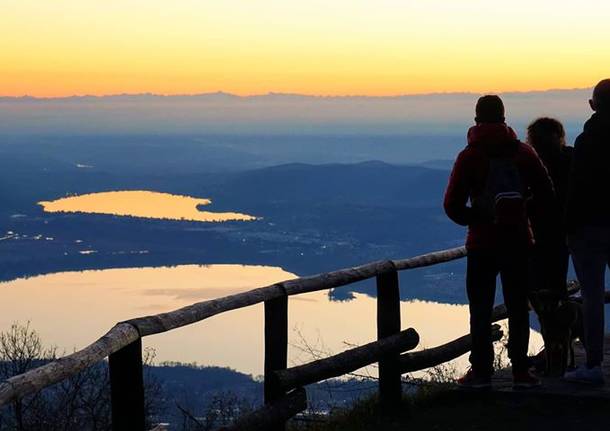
(483, 268)
(590, 248)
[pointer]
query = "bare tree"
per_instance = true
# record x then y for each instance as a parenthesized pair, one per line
(21, 350)
(153, 390)
(79, 403)
(221, 410)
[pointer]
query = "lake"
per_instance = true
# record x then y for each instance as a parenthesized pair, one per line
(72, 309)
(142, 203)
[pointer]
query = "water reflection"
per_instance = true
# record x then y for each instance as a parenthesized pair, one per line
(71, 309)
(139, 203)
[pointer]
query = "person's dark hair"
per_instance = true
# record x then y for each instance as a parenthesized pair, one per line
(601, 96)
(490, 109)
(546, 135)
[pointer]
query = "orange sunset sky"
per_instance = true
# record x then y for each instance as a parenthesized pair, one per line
(338, 47)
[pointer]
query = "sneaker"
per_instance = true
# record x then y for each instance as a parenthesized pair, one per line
(525, 380)
(470, 380)
(591, 376)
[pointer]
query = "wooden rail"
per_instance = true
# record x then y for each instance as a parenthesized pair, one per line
(434, 356)
(347, 361)
(122, 345)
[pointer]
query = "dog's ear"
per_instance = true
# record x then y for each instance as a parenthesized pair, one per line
(573, 286)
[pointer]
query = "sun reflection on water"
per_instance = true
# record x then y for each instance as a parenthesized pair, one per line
(72, 309)
(141, 203)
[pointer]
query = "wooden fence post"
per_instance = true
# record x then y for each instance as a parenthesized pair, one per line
(127, 388)
(276, 348)
(388, 323)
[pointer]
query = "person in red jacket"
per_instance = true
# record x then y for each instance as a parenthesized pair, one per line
(491, 180)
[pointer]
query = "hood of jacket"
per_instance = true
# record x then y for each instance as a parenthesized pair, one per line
(496, 139)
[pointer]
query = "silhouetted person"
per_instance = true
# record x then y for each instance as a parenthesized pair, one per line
(551, 255)
(588, 225)
(495, 172)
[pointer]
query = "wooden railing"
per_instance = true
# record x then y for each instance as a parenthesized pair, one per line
(283, 387)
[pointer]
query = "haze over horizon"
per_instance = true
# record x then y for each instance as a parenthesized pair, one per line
(275, 113)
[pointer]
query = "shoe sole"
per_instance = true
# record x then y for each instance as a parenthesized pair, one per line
(585, 382)
(526, 386)
(481, 387)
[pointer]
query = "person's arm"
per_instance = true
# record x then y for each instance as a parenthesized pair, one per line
(458, 193)
(576, 186)
(545, 204)
(541, 184)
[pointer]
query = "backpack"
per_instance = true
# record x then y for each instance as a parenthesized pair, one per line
(503, 200)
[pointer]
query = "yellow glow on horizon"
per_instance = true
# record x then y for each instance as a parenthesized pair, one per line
(386, 47)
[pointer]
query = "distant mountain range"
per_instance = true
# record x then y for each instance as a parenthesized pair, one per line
(222, 96)
(224, 113)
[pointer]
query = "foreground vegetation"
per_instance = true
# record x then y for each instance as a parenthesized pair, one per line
(445, 408)
(82, 402)
(188, 397)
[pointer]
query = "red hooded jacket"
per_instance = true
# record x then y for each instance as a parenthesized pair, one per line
(469, 178)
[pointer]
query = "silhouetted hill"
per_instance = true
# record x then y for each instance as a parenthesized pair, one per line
(202, 382)
(28, 178)
(372, 183)
(167, 154)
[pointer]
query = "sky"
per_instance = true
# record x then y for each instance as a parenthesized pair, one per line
(319, 47)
